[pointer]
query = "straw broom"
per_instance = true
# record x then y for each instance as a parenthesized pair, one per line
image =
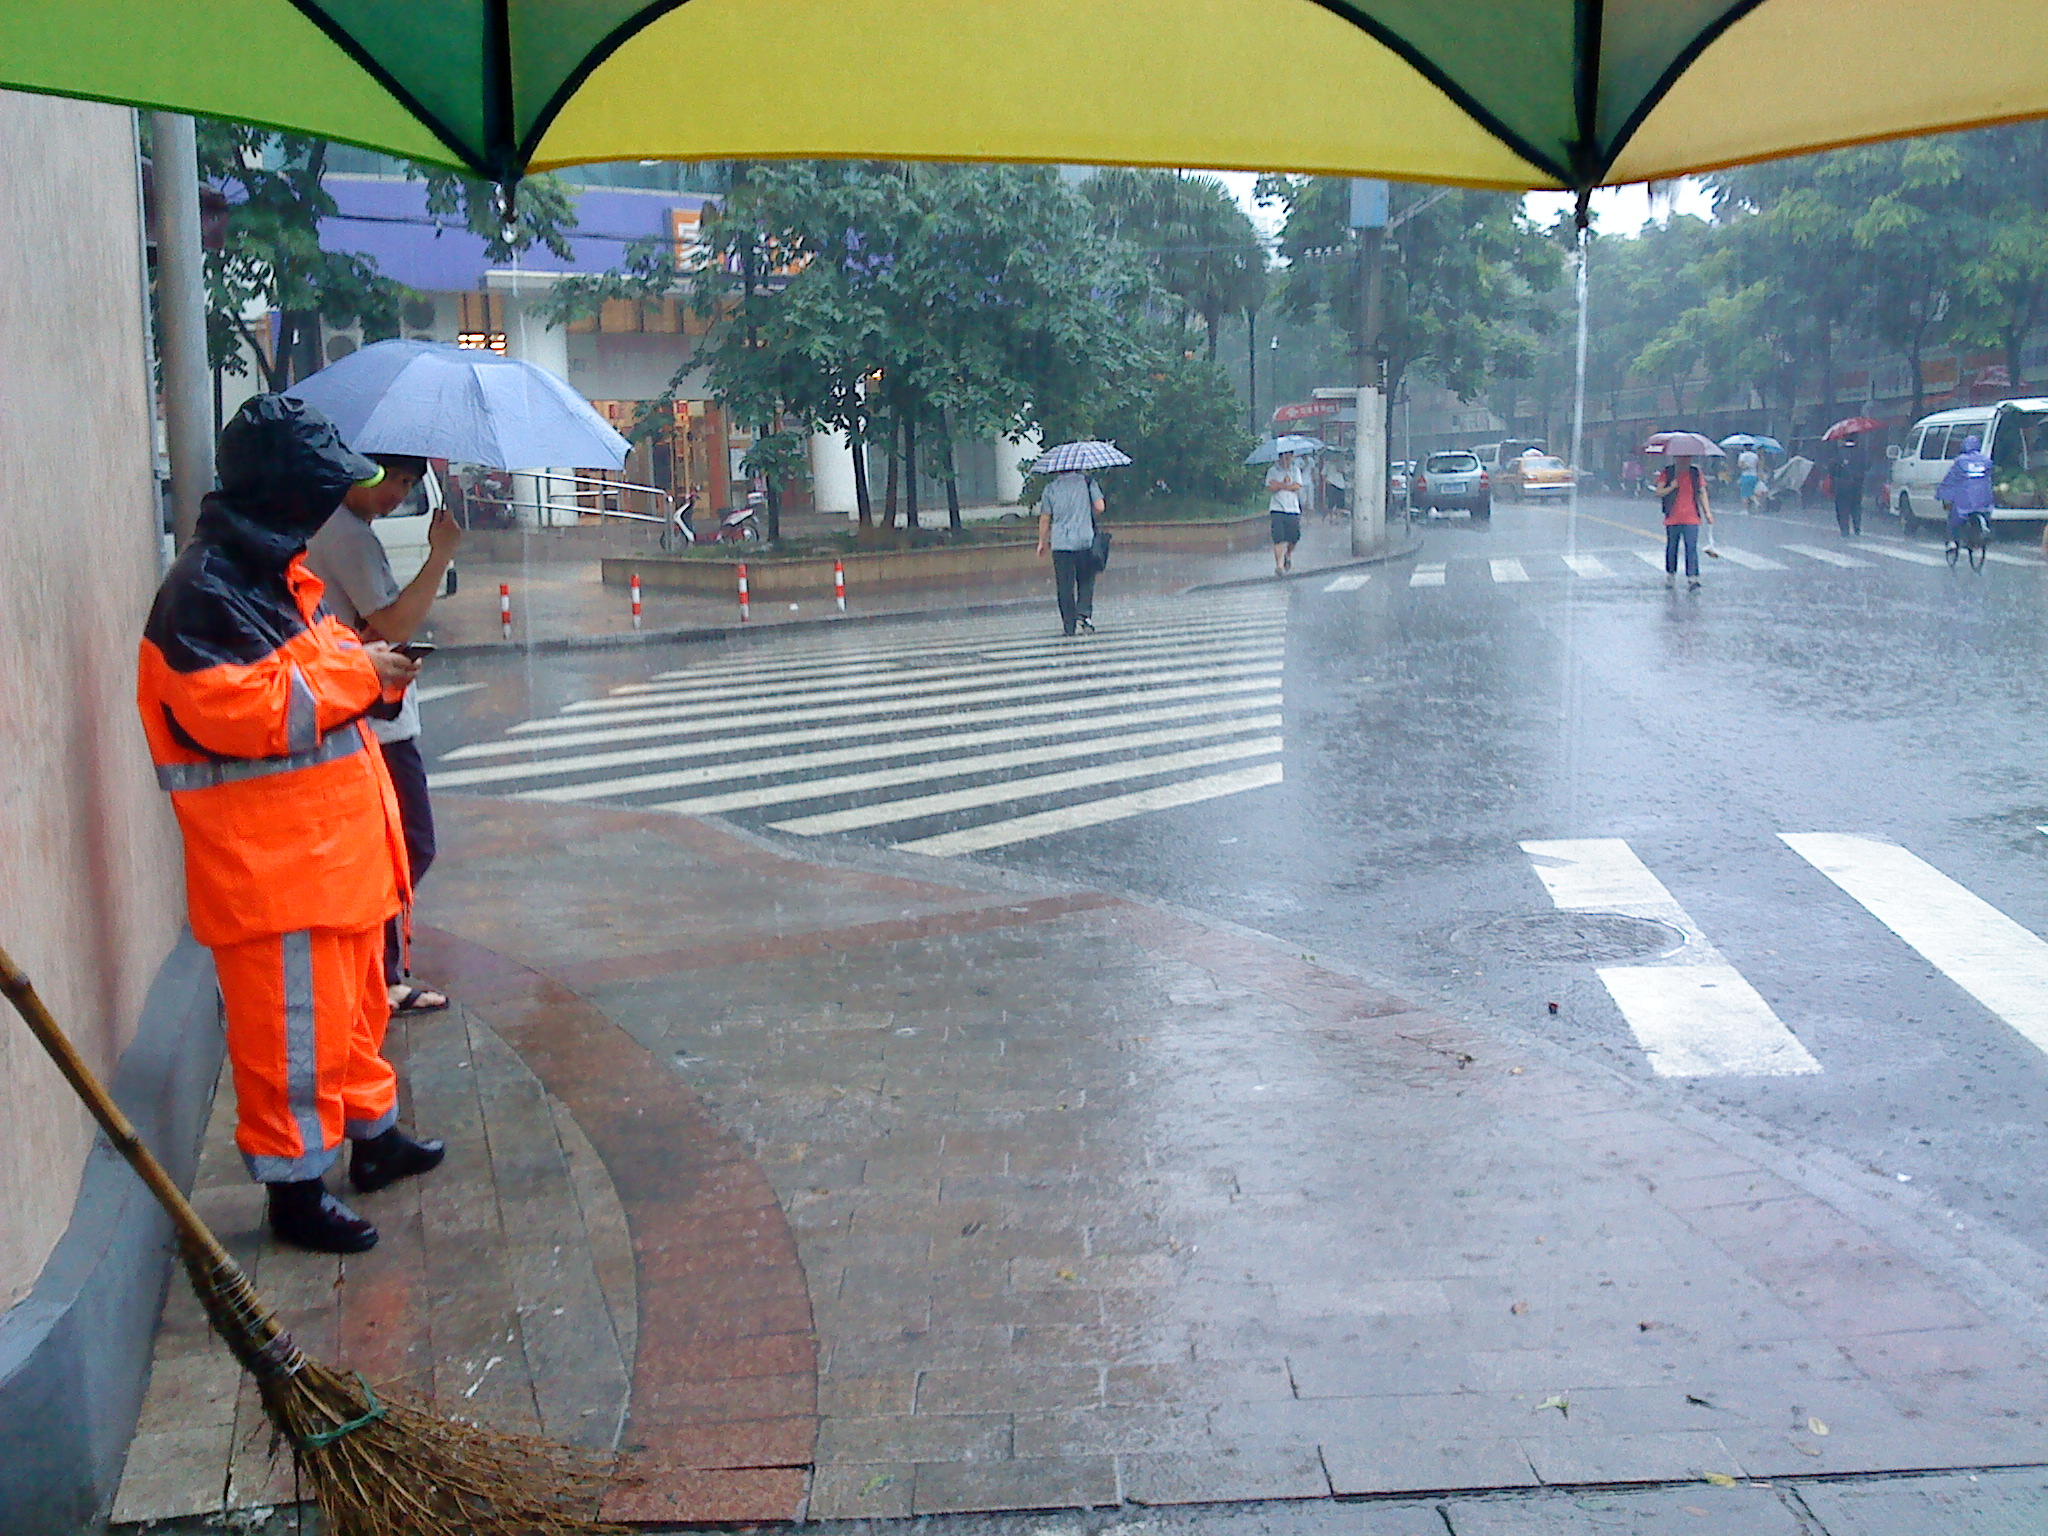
(376, 1467)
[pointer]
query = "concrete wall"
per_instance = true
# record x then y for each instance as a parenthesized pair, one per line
(91, 895)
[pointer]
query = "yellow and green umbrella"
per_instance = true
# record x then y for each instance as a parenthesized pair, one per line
(1502, 93)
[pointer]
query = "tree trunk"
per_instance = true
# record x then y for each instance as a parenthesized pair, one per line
(953, 520)
(1919, 379)
(773, 487)
(910, 471)
(1251, 362)
(863, 499)
(889, 493)
(1214, 321)
(2014, 337)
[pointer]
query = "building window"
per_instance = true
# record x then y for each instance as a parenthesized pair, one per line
(481, 341)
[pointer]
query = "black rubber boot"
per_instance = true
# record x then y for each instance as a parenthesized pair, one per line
(303, 1214)
(390, 1156)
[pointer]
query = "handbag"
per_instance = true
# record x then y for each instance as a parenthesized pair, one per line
(1098, 552)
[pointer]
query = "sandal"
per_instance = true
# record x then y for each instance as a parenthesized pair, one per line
(419, 1000)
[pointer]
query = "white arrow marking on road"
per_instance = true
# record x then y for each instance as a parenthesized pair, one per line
(1745, 558)
(1829, 557)
(1350, 583)
(1693, 1013)
(1589, 565)
(1979, 948)
(1427, 576)
(1509, 569)
(1093, 813)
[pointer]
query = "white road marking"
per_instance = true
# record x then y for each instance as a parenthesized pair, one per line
(1093, 813)
(1005, 791)
(700, 720)
(427, 693)
(1508, 569)
(1350, 583)
(1426, 576)
(1650, 557)
(1979, 948)
(1743, 557)
(1916, 556)
(1692, 1012)
(1829, 557)
(956, 766)
(881, 681)
(1588, 565)
(2000, 557)
(931, 733)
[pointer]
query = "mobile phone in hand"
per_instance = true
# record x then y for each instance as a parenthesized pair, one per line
(416, 650)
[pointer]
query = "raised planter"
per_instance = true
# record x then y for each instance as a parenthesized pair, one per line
(1189, 537)
(585, 541)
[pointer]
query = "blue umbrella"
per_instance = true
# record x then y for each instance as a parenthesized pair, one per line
(1745, 440)
(1086, 455)
(442, 402)
(1272, 448)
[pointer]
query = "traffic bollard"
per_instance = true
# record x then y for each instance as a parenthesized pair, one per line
(636, 599)
(839, 584)
(744, 614)
(505, 608)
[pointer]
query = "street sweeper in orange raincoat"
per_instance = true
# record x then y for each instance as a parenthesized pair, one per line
(253, 699)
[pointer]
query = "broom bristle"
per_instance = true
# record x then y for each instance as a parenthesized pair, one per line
(378, 1466)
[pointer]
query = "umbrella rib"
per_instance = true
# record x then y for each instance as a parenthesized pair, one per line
(1587, 33)
(501, 147)
(598, 53)
(1465, 101)
(1689, 55)
(343, 39)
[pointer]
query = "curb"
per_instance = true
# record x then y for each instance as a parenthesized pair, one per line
(1413, 546)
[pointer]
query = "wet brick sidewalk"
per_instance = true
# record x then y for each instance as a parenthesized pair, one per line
(947, 1194)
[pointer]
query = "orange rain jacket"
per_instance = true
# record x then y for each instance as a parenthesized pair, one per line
(253, 700)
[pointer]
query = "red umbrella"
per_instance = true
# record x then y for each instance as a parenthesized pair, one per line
(1849, 427)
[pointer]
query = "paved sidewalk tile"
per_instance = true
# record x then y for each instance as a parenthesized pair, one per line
(1986, 1504)
(1701, 1510)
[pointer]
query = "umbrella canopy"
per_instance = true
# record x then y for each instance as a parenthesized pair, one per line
(1087, 455)
(1684, 445)
(1849, 426)
(1746, 440)
(1584, 94)
(1272, 448)
(444, 402)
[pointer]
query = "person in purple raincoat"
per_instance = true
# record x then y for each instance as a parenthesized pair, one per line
(1966, 488)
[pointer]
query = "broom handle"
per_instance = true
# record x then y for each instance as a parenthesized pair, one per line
(22, 993)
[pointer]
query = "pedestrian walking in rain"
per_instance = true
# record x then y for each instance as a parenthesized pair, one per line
(1683, 490)
(1748, 477)
(350, 561)
(1848, 469)
(1067, 510)
(1632, 477)
(1283, 505)
(253, 699)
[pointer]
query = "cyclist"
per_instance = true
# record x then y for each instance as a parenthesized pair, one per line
(1966, 488)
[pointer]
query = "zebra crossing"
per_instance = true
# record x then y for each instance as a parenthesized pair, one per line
(1608, 564)
(980, 735)
(1693, 1014)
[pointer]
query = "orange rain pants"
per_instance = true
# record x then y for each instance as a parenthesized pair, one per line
(306, 1017)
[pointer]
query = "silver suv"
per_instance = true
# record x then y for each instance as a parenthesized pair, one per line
(1454, 478)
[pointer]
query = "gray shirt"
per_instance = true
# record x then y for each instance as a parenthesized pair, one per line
(1070, 500)
(349, 559)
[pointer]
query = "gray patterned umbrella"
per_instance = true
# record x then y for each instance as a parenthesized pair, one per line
(1089, 455)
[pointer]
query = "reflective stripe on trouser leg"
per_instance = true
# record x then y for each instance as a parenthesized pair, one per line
(369, 1086)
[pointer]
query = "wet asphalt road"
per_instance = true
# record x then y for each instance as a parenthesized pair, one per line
(1431, 729)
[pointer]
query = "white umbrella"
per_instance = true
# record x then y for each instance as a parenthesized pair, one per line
(1270, 450)
(441, 402)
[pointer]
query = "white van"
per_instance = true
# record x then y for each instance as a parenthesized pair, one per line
(404, 533)
(2015, 434)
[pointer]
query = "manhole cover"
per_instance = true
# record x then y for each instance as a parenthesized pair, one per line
(1582, 936)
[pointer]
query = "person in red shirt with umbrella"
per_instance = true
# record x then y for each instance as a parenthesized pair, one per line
(1683, 490)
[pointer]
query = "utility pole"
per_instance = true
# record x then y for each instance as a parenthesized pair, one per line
(1369, 463)
(181, 316)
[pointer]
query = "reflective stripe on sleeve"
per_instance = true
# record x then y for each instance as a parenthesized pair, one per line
(339, 744)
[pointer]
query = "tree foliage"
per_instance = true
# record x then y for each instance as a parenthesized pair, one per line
(1202, 248)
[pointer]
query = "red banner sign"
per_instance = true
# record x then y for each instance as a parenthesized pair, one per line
(1307, 410)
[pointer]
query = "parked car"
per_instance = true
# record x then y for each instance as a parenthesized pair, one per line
(404, 532)
(1454, 478)
(1400, 474)
(1536, 477)
(2015, 434)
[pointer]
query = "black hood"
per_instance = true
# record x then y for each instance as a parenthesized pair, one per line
(283, 469)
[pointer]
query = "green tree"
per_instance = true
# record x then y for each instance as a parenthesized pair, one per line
(272, 260)
(1202, 248)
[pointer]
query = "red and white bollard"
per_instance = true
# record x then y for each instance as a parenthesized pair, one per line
(636, 599)
(744, 613)
(505, 608)
(839, 585)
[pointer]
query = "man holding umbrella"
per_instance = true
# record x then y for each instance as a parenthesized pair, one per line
(1068, 527)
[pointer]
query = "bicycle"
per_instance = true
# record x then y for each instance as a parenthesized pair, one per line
(1972, 538)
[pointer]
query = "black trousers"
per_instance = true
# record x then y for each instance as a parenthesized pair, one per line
(416, 815)
(1849, 508)
(1073, 575)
